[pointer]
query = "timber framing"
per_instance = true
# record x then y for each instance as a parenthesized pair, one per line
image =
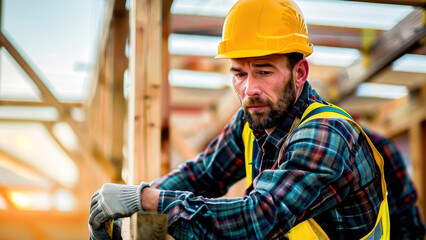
(403, 38)
(50, 99)
(408, 116)
(37, 104)
(319, 35)
(145, 97)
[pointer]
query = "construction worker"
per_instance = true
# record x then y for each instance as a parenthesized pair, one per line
(312, 173)
(405, 219)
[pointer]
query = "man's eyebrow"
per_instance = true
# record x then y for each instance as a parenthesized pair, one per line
(234, 69)
(263, 65)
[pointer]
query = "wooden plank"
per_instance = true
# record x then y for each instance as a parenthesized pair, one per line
(422, 158)
(145, 101)
(120, 33)
(165, 90)
(104, 134)
(154, 91)
(148, 226)
(38, 104)
(391, 45)
(417, 133)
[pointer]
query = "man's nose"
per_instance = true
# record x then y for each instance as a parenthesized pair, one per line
(252, 86)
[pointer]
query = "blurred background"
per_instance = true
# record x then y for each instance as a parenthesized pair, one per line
(95, 91)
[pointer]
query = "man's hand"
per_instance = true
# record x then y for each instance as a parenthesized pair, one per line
(101, 233)
(114, 201)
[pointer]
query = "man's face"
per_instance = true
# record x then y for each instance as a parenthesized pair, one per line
(265, 87)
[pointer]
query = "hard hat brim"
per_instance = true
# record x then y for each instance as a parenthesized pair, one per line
(303, 49)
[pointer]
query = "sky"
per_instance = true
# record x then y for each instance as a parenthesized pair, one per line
(57, 38)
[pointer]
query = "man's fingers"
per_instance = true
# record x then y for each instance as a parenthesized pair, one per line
(93, 235)
(116, 231)
(99, 234)
(96, 211)
(93, 207)
(94, 198)
(98, 220)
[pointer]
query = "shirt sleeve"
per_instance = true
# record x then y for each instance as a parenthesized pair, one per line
(313, 176)
(405, 219)
(213, 171)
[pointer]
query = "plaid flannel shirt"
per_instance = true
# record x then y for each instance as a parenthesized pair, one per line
(325, 172)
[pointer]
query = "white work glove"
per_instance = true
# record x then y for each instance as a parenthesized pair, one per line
(114, 201)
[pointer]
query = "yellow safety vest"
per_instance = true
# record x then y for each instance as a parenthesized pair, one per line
(309, 229)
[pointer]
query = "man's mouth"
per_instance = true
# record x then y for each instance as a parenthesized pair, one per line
(256, 108)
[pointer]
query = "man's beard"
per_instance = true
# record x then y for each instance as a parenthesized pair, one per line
(262, 120)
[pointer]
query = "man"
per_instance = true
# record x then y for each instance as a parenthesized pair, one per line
(311, 165)
(405, 219)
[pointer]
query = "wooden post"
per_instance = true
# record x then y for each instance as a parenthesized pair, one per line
(119, 32)
(417, 132)
(418, 156)
(146, 104)
(165, 128)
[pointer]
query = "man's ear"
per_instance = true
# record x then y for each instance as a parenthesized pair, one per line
(300, 72)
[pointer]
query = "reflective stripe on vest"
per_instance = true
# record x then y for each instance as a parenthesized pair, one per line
(309, 229)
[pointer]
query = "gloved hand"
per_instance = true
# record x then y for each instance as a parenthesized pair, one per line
(114, 201)
(101, 233)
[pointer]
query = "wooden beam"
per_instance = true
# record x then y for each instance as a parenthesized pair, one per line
(390, 46)
(145, 101)
(182, 146)
(408, 115)
(417, 134)
(222, 114)
(47, 95)
(200, 25)
(165, 90)
(23, 120)
(396, 119)
(64, 114)
(18, 167)
(72, 155)
(318, 35)
(119, 35)
(38, 104)
(56, 217)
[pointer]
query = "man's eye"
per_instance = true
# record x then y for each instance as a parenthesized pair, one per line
(264, 73)
(239, 75)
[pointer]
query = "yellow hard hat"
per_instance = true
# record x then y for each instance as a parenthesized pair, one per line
(256, 28)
